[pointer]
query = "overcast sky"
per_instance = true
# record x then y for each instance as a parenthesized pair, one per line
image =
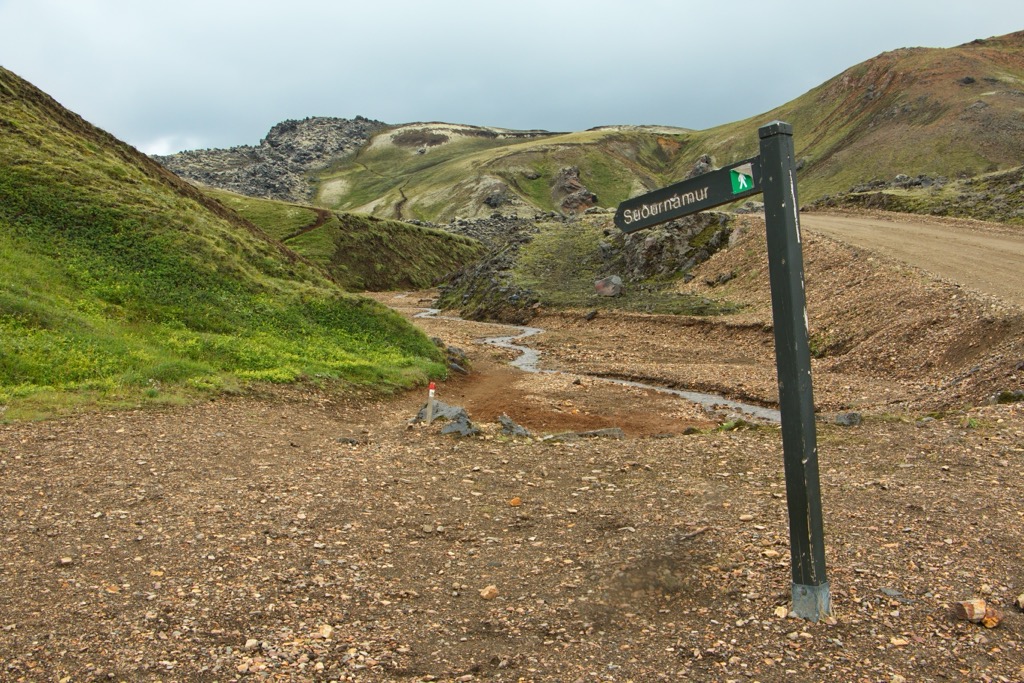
(189, 74)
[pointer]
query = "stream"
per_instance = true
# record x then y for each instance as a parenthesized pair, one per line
(529, 359)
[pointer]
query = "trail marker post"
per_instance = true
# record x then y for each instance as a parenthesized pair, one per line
(430, 402)
(772, 173)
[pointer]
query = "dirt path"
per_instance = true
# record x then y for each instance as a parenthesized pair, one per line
(989, 260)
(322, 216)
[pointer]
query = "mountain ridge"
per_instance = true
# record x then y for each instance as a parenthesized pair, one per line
(937, 111)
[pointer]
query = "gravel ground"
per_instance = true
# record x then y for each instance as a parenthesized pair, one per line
(306, 535)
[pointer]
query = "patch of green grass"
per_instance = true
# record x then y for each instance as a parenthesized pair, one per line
(124, 286)
(278, 219)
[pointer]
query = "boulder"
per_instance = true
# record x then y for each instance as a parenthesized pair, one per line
(570, 193)
(457, 419)
(609, 286)
(510, 428)
(848, 419)
(704, 164)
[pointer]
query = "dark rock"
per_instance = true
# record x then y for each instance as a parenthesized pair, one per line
(591, 315)
(485, 289)
(1015, 396)
(442, 411)
(510, 428)
(704, 164)
(675, 246)
(609, 433)
(457, 419)
(570, 193)
(499, 197)
(967, 80)
(848, 419)
(461, 426)
(456, 355)
(581, 200)
(721, 279)
(751, 207)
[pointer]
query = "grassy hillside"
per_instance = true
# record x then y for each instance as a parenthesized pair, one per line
(997, 196)
(940, 112)
(359, 252)
(122, 283)
(461, 176)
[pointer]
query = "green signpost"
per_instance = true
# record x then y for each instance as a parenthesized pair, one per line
(772, 173)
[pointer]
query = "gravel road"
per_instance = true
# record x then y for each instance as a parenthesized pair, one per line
(981, 256)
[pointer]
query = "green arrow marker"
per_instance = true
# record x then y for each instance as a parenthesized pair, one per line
(742, 178)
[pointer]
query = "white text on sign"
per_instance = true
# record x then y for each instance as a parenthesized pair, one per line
(673, 203)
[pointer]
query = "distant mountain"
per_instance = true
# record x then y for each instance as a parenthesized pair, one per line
(937, 112)
(124, 284)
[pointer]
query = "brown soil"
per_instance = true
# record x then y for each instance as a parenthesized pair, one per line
(311, 535)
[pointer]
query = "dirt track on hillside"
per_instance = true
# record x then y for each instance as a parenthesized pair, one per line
(981, 256)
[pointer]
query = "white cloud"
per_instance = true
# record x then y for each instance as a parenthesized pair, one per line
(169, 144)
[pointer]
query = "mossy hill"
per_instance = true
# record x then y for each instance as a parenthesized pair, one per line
(359, 252)
(122, 284)
(952, 112)
(996, 196)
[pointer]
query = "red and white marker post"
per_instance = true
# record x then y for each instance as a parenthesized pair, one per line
(430, 402)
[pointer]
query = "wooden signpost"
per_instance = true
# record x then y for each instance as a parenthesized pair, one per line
(772, 173)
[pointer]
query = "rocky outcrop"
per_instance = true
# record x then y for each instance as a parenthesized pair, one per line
(675, 246)
(486, 290)
(570, 193)
(279, 166)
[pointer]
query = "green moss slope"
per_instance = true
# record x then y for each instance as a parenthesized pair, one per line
(359, 252)
(123, 284)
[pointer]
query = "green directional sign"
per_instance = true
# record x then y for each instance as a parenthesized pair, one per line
(742, 178)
